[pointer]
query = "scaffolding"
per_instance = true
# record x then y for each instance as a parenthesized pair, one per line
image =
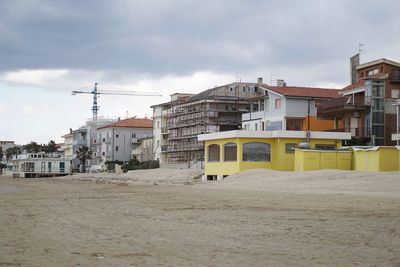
(213, 110)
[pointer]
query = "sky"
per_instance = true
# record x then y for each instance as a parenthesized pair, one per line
(50, 48)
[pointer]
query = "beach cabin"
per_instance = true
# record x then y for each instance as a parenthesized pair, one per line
(230, 152)
(376, 159)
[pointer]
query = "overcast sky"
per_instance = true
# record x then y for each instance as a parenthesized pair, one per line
(49, 48)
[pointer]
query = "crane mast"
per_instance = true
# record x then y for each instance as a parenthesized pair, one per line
(95, 107)
(96, 92)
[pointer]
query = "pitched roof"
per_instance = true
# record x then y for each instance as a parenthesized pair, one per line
(361, 82)
(378, 61)
(295, 91)
(130, 123)
(357, 84)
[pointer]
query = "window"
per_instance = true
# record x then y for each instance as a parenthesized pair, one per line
(325, 146)
(278, 103)
(372, 72)
(103, 153)
(256, 151)
(116, 148)
(230, 152)
(289, 147)
(117, 135)
(48, 166)
(395, 93)
(213, 153)
(43, 166)
(133, 135)
(104, 140)
(158, 125)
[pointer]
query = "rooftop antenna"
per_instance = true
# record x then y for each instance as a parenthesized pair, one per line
(237, 77)
(272, 75)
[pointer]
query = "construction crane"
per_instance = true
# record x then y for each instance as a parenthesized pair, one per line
(95, 92)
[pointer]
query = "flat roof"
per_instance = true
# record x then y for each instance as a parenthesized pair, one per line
(274, 134)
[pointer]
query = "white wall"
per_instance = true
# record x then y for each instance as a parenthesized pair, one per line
(121, 138)
(270, 116)
(299, 108)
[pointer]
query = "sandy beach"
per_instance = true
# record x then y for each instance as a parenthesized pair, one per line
(167, 218)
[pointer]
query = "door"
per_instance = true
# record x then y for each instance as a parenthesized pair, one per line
(353, 126)
(62, 167)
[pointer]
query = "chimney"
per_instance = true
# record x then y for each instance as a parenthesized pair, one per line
(354, 62)
(259, 80)
(280, 83)
(70, 130)
(119, 118)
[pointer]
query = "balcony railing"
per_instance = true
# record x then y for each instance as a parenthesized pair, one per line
(164, 130)
(360, 132)
(341, 104)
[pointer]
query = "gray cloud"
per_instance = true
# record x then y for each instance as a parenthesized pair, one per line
(180, 37)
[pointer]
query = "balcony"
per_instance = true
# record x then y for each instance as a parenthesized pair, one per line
(164, 130)
(395, 76)
(343, 104)
(360, 133)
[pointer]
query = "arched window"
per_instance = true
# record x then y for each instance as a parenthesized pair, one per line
(256, 151)
(213, 153)
(230, 152)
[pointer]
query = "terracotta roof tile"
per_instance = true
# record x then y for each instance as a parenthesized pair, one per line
(130, 123)
(354, 85)
(304, 91)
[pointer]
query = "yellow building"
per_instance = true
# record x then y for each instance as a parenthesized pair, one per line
(229, 152)
(376, 159)
(311, 159)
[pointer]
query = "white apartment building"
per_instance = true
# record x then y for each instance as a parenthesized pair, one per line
(67, 146)
(160, 125)
(115, 141)
(143, 150)
(287, 108)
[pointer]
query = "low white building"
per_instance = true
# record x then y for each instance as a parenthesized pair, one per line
(40, 165)
(115, 141)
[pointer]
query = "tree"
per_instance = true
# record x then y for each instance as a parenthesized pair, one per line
(51, 147)
(83, 154)
(12, 151)
(32, 147)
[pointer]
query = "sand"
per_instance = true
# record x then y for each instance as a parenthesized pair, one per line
(255, 218)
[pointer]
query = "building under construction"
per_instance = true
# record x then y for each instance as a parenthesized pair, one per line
(213, 110)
